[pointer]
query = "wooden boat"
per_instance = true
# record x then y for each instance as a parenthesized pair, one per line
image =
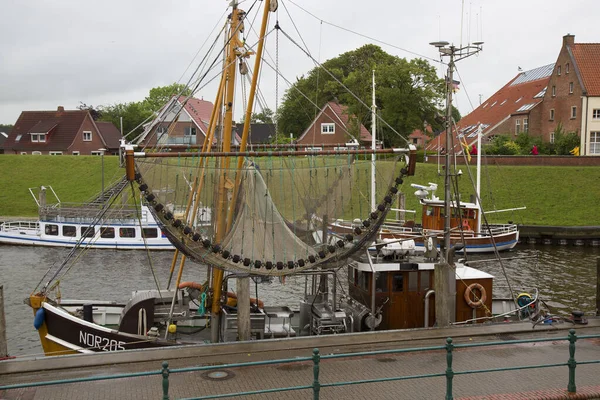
(254, 195)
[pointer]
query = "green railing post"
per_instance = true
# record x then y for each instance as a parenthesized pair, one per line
(449, 372)
(316, 384)
(571, 388)
(165, 382)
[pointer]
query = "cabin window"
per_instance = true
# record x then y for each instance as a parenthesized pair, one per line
(51, 229)
(398, 282)
(327, 128)
(88, 231)
(424, 283)
(107, 232)
(127, 232)
(381, 282)
(429, 211)
(363, 280)
(150, 233)
(413, 281)
(69, 231)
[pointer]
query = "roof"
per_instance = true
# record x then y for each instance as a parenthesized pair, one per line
(67, 125)
(519, 95)
(199, 110)
(259, 133)
(342, 113)
(587, 58)
(3, 137)
(110, 133)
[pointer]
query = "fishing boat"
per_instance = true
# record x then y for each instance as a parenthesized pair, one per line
(87, 225)
(263, 205)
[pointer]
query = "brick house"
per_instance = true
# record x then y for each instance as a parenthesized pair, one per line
(333, 125)
(61, 132)
(420, 138)
(537, 101)
(179, 122)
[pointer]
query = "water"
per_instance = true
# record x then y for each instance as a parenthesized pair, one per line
(565, 276)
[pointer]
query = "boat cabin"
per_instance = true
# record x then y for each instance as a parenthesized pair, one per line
(466, 217)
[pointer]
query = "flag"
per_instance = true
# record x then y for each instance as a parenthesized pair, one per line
(575, 151)
(455, 85)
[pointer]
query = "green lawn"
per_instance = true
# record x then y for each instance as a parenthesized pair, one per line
(567, 196)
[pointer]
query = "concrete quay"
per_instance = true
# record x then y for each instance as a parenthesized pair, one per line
(544, 383)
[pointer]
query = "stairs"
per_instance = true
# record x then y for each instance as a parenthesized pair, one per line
(109, 192)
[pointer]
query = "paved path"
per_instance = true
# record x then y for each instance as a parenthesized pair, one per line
(546, 383)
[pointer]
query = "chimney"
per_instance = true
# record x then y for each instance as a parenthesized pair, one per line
(568, 40)
(60, 110)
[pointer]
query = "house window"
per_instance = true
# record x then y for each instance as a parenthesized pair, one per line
(69, 230)
(525, 124)
(573, 112)
(75, 153)
(594, 142)
(189, 131)
(87, 136)
(34, 138)
(56, 153)
(552, 114)
(36, 153)
(23, 153)
(596, 113)
(566, 68)
(327, 128)
(18, 138)
(518, 127)
(161, 130)
(571, 88)
(42, 137)
(96, 153)
(150, 233)
(551, 137)
(558, 70)
(553, 91)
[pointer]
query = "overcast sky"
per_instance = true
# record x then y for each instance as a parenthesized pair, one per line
(64, 52)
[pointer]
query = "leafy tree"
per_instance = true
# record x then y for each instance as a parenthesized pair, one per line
(133, 115)
(159, 96)
(94, 112)
(6, 128)
(263, 117)
(407, 93)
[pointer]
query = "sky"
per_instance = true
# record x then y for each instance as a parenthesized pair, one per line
(66, 52)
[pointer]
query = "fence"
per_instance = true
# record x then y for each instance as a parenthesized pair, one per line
(316, 359)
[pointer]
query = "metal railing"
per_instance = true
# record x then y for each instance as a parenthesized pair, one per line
(449, 373)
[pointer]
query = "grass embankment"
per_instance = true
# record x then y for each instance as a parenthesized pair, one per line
(564, 196)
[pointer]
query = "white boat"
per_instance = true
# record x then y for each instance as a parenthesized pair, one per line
(86, 225)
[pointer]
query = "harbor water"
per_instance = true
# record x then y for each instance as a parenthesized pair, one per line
(564, 275)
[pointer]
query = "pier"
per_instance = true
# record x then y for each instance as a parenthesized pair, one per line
(560, 235)
(345, 361)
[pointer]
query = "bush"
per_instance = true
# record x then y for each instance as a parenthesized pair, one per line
(502, 145)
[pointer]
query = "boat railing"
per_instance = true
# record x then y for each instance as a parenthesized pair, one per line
(20, 226)
(79, 213)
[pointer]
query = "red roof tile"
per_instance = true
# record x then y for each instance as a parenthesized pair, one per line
(587, 57)
(68, 123)
(518, 95)
(342, 112)
(199, 110)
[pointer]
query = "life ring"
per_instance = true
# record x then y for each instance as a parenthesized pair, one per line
(482, 297)
(192, 285)
(465, 225)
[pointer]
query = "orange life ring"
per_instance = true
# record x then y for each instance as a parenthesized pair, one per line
(193, 285)
(232, 300)
(482, 297)
(465, 225)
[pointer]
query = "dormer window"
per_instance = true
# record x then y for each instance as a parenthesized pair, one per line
(42, 137)
(327, 128)
(87, 136)
(34, 138)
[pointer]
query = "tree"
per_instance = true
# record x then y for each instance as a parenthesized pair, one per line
(94, 112)
(133, 114)
(159, 96)
(407, 93)
(6, 128)
(263, 117)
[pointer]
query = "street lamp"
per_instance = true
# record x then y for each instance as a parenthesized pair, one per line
(102, 150)
(455, 54)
